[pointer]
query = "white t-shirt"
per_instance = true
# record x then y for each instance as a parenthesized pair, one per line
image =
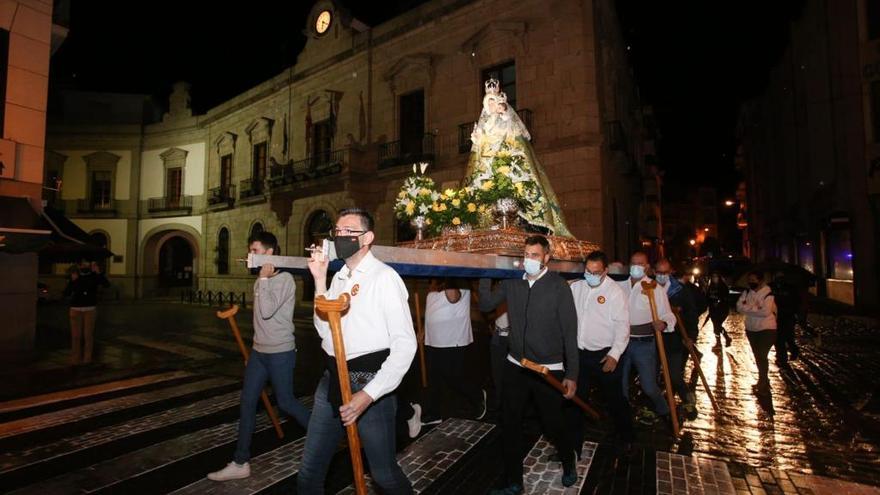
(448, 324)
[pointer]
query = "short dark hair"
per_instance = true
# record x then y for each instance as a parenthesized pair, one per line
(267, 239)
(538, 239)
(598, 256)
(757, 273)
(367, 222)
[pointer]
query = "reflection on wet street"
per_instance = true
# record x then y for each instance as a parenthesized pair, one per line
(815, 421)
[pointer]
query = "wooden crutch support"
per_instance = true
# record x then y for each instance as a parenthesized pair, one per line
(690, 346)
(648, 290)
(334, 308)
(420, 339)
(229, 315)
(543, 371)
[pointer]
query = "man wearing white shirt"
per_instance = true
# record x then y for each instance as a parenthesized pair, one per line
(380, 344)
(603, 334)
(642, 349)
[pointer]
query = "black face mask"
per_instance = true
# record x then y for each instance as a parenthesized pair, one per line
(753, 285)
(346, 246)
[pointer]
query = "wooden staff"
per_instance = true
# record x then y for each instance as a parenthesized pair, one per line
(543, 371)
(690, 347)
(420, 339)
(333, 308)
(229, 315)
(648, 290)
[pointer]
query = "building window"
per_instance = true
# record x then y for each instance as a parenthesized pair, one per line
(872, 14)
(875, 109)
(225, 172)
(223, 252)
(173, 184)
(101, 189)
(840, 255)
(256, 229)
(505, 74)
(258, 172)
(412, 123)
(322, 142)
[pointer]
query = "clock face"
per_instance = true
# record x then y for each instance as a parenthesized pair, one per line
(322, 23)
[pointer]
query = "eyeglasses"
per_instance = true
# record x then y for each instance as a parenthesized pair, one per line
(344, 232)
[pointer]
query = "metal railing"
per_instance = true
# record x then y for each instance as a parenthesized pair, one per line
(250, 188)
(212, 298)
(170, 203)
(465, 130)
(90, 206)
(397, 153)
(322, 164)
(221, 194)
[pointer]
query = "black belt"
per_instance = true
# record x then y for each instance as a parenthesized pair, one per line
(361, 370)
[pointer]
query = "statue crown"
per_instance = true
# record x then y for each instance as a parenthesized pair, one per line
(493, 86)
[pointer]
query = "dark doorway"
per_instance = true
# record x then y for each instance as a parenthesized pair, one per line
(175, 263)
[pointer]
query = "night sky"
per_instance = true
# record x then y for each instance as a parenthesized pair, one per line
(694, 62)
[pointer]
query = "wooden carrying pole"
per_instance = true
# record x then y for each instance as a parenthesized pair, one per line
(648, 290)
(690, 346)
(543, 371)
(229, 315)
(420, 338)
(333, 308)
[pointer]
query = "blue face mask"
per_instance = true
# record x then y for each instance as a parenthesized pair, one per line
(532, 267)
(662, 278)
(637, 271)
(592, 279)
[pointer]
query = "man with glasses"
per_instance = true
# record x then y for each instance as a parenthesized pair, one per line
(603, 334)
(543, 329)
(379, 345)
(641, 351)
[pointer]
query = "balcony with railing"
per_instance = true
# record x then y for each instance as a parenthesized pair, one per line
(252, 189)
(402, 152)
(221, 197)
(465, 130)
(325, 164)
(170, 203)
(94, 206)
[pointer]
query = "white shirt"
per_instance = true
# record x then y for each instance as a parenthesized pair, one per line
(551, 366)
(603, 317)
(640, 307)
(378, 318)
(759, 308)
(448, 324)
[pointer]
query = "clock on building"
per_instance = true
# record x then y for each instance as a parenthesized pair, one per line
(322, 23)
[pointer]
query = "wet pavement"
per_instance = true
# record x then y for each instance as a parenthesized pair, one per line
(159, 410)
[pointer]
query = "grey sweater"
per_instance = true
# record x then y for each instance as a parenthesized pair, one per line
(274, 300)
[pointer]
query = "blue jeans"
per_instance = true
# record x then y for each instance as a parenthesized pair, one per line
(642, 353)
(376, 428)
(277, 368)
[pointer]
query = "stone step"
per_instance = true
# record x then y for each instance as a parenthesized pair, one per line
(543, 476)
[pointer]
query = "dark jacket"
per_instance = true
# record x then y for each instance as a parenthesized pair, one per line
(681, 296)
(718, 294)
(83, 291)
(543, 319)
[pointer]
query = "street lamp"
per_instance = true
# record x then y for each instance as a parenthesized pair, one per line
(729, 203)
(693, 242)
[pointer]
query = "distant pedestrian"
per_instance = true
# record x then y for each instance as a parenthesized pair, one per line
(82, 288)
(719, 307)
(759, 308)
(787, 305)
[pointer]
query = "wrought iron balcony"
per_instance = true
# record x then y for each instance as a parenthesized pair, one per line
(323, 164)
(94, 205)
(170, 204)
(221, 195)
(465, 130)
(250, 188)
(406, 152)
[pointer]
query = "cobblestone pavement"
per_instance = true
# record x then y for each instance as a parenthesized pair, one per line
(159, 411)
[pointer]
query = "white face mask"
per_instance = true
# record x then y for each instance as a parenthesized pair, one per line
(637, 271)
(532, 267)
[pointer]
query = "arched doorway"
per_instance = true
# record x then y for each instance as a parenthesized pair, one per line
(317, 227)
(175, 263)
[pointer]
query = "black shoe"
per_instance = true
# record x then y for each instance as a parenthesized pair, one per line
(514, 489)
(569, 472)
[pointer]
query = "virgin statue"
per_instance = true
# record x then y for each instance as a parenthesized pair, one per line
(502, 142)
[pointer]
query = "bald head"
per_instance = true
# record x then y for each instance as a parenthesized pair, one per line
(663, 266)
(639, 258)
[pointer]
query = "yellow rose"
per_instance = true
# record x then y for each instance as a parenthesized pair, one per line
(442, 206)
(449, 192)
(427, 221)
(410, 208)
(472, 207)
(487, 185)
(435, 207)
(519, 187)
(456, 221)
(504, 170)
(424, 192)
(482, 208)
(401, 194)
(443, 197)
(456, 202)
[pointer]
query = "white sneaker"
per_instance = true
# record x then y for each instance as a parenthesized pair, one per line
(482, 405)
(232, 471)
(415, 422)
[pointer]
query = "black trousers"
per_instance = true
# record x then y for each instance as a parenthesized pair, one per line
(610, 386)
(446, 371)
(498, 349)
(718, 316)
(522, 386)
(761, 342)
(676, 357)
(785, 342)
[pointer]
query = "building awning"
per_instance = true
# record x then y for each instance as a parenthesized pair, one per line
(49, 233)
